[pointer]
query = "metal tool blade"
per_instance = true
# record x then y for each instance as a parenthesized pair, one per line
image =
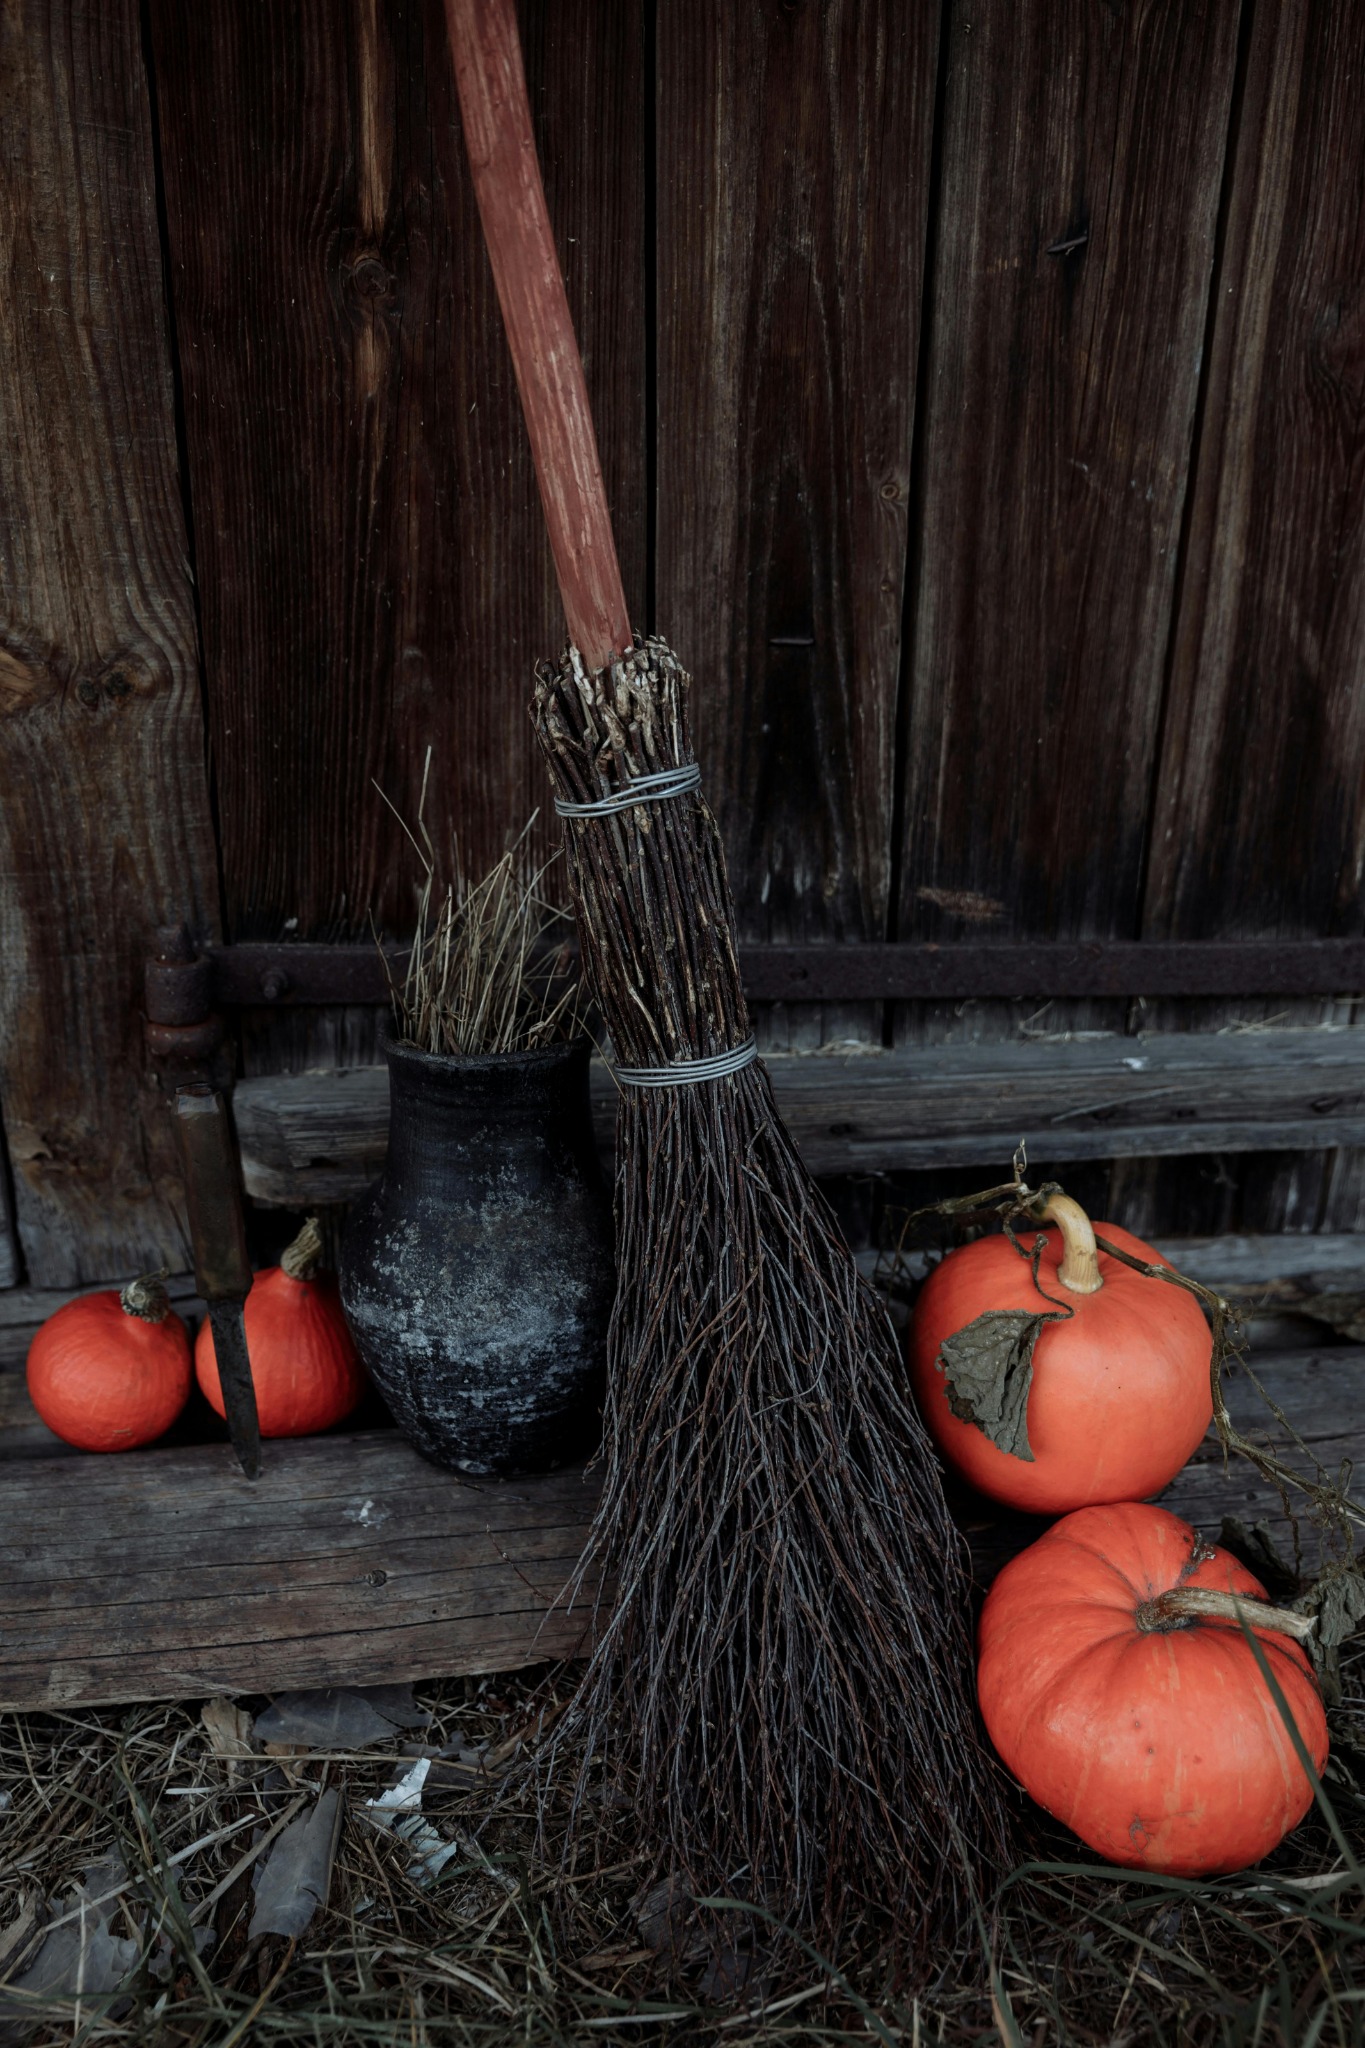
(221, 1263)
(234, 1377)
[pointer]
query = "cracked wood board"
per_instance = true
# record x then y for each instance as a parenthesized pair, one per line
(166, 1574)
(320, 1137)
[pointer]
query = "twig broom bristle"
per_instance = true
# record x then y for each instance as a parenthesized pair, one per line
(788, 1663)
(785, 1676)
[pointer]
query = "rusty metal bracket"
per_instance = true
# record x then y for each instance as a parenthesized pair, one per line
(957, 969)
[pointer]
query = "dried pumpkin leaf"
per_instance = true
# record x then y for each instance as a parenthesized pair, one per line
(988, 1369)
(1340, 1607)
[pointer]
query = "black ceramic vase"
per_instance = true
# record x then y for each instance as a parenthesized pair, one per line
(478, 1276)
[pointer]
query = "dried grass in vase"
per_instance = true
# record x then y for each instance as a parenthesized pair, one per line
(491, 968)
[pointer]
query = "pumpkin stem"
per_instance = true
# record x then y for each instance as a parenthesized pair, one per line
(1080, 1267)
(1205, 1603)
(146, 1298)
(299, 1258)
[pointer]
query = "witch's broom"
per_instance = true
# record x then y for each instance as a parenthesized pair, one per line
(786, 1673)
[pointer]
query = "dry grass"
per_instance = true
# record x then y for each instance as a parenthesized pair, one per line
(490, 969)
(515, 1943)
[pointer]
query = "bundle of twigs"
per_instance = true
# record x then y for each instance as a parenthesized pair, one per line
(786, 1673)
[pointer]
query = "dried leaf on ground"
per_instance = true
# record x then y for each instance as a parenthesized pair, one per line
(295, 1878)
(80, 1957)
(340, 1717)
(228, 1727)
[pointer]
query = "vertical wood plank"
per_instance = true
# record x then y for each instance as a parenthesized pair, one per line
(793, 153)
(373, 569)
(1082, 156)
(1259, 813)
(104, 826)
(1259, 822)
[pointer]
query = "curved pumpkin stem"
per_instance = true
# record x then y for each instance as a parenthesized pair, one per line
(299, 1258)
(1205, 1603)
(146, 1298)
(1080, 1267)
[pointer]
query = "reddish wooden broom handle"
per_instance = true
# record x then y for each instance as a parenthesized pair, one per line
(535, 312)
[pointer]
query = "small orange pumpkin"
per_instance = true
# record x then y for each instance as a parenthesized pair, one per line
(111, 1371)
(303, 1360)
(1118, 1687)
(1120, 1392)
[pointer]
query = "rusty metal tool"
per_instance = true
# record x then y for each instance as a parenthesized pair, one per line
(186, 1042)
(222, 1268)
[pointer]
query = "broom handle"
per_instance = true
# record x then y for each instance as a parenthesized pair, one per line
(535, 312)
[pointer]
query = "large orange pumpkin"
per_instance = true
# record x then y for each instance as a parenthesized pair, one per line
(304, 1365)
(1118, 1687)
(111, 1371)
(1120, 1392)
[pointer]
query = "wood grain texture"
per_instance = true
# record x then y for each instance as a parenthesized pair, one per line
(373, 567)
(104, 825)
(22, 1432)
(349, 1561)
(793, 184)
(352, 1562)
(1319, 1390)
(321, 1137)
(1259, 809)
(495, 111)
(1259, 819)
(1082, 157)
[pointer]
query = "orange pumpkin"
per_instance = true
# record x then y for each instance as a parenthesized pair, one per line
(1118, 1687)
(1120, 1391)
(303, 1361)
(111, 1371)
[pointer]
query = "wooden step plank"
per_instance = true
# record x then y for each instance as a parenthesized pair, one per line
(320, 1137)
(165, 1574)
(229, 1586)
(1320, 1392)
(22, 1433)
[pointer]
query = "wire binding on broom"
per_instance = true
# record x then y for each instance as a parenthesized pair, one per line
(687, 1073)
(784, 1679)
(646, 789)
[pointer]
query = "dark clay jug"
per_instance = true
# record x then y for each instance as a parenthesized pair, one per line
(478, 1276)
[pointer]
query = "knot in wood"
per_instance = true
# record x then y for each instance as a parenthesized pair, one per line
(370, 278)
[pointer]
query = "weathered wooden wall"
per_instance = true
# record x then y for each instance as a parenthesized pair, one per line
(982, 399)
(104, 804)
